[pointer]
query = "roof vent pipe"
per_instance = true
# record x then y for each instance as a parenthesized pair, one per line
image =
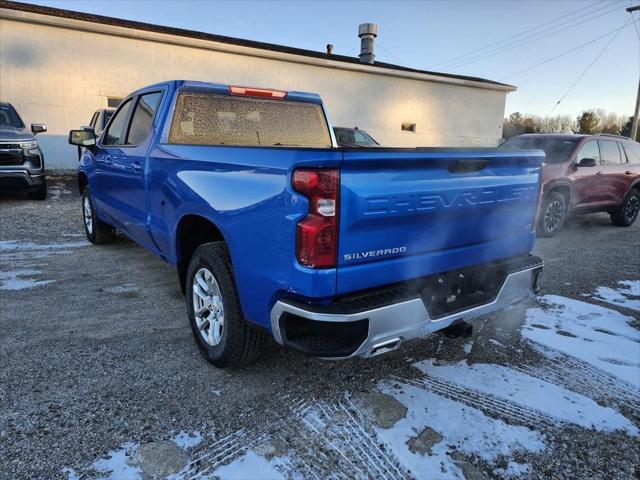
(367, 33)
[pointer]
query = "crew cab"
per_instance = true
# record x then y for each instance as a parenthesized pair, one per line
(585, 174)
(275, 231)
(21, 160)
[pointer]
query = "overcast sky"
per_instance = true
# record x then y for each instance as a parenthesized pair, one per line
(427, 34)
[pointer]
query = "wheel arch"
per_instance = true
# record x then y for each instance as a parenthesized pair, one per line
(192, 231)
(563, 189)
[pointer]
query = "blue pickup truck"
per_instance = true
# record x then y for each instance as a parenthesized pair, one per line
(276, 231)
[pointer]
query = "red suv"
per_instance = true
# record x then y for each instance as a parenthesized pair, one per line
(585, 174)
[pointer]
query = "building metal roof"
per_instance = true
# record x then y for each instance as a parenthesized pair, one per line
(181, 32)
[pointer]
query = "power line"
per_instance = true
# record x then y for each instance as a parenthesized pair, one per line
(529, 39)
(566, 52)
(588, 67)
(515, 36)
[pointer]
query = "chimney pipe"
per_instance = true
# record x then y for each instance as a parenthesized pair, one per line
(367, 33)
(329, 49)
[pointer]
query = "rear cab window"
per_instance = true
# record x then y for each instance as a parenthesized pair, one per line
(212, 119)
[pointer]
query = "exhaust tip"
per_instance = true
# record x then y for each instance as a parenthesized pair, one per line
(385, 347)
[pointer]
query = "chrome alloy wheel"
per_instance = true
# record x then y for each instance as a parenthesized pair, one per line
(87, 214)
(553, 216)
(631, 208)
(208, 307)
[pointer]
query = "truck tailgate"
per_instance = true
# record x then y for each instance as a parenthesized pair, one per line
(410, 213)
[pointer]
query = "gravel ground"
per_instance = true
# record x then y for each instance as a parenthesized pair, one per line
(96, 357)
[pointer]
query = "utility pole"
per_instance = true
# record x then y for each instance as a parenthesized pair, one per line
(634, 125)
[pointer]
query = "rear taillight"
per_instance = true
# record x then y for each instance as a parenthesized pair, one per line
(317, 234)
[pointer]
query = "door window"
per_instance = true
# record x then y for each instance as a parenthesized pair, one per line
(94, 119)
(117, 128)
(609, 152)
(589, 150)
(143, 117)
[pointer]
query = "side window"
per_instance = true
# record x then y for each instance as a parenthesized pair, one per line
(609, 152)
(143, 117)
(94, 119)
(589, 150)
(118, 127)
(633, 152)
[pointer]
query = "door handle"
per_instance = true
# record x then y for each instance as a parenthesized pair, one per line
(628, 172)
(600, 173)
(136, 167)
(108, 160)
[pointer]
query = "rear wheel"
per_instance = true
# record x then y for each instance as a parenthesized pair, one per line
(97, 231)
(40, 193)
(223, 335)
(627, 214)
(552, 214)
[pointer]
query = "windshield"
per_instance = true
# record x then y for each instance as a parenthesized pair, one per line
(352, 136)
(557, 150)
(9, 117)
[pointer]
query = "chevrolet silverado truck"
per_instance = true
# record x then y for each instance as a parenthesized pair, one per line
(276, 231)
(21, 160)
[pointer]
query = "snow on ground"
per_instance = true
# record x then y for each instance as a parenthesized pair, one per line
(116, 464)
(125, 288)
(552, 400)
(20, 256)
(599, 336)
(187, 440)
(12, 246)
(454, 412)
(458, 428)
(253, 466)
(627, 295)
(19, 279)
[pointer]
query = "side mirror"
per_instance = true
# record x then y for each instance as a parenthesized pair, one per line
(38, 128)
(82, 138)
(587, 162)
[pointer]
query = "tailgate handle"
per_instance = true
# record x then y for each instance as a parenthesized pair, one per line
(468, 165)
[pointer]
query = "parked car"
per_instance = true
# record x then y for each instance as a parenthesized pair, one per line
(584, 174)
(353, 137)
(274, 231)
(100, 119)
(21, 160)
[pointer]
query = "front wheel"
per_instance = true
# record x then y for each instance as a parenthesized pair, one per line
(97, 231)
(552, 214)
(221, 332)
(627, 214)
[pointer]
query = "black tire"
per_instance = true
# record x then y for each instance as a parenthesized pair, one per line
(553, 211)
(627, 214)
(239, 343)
(40, 193)
(96, 230)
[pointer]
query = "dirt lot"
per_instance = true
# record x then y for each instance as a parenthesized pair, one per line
(100, 376)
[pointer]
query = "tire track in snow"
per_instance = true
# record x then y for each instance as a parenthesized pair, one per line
(340, 433)
(490, 405)
(583, 378)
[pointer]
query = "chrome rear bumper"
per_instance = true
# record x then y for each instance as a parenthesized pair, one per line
(391, 325)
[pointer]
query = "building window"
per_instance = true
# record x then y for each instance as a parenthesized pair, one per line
(409, 127)
(113, 102)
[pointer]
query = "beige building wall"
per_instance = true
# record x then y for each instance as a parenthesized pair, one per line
(58, 71)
